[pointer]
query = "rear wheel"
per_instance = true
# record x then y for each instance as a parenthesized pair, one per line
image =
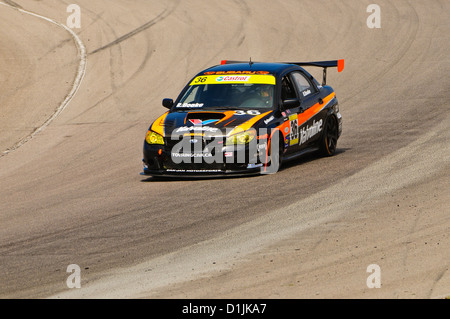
(329, 139)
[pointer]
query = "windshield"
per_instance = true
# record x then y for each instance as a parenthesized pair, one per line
(228, 92)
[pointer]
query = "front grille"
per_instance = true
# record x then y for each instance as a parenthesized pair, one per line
(196, 161)
(191, 158)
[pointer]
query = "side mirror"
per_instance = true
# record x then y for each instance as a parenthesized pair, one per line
(291, 103)
(167, 103)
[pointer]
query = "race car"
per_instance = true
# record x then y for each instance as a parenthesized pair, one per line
(240, 118)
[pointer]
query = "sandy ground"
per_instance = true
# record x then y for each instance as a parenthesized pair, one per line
(72, 194)
(31, 61)
(290, 268)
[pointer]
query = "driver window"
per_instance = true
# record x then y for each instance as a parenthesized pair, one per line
(287, 89)
(303, 85)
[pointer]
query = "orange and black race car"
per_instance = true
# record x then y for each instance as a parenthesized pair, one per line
(244, 117)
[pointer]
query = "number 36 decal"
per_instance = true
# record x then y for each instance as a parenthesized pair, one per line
(293, 119)
(249, 112)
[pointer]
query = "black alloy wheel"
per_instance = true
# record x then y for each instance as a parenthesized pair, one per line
(330, 136)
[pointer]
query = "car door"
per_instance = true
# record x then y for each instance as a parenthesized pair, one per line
(311, 116)
(291, 107)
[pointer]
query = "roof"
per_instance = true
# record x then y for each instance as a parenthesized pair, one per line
(272, 68)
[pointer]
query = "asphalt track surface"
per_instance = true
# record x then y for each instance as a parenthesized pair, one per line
(71, 192)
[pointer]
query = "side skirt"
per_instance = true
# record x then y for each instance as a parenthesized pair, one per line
(293, 156)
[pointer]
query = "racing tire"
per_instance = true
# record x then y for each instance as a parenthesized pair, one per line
(328, 143)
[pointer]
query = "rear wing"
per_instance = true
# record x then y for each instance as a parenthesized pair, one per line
(322, 64)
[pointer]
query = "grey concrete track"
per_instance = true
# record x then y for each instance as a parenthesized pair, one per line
(73, 194)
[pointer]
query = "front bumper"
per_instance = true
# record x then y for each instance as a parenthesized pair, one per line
(339, 119)
(158, 160)
(199, 173)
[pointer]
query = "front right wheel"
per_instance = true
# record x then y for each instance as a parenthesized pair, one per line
(275, 152)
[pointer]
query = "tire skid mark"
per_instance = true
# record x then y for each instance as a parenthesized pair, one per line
(238, 36)
(114, 86)
(440, 275)
(160, 17)
(115, 68)
(76, 84)
(13, 4)
(397, 55)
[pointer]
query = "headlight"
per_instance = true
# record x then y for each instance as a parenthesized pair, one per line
(154, 138)
(241, 138)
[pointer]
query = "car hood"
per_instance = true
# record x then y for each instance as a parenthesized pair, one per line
(223, 122)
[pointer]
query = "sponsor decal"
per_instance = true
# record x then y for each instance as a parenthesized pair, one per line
(262, 137)
(200, 122)
(249, 166)
(261, 146)
(190, 105)
(309, 131)
(196, 129)
(235, 78)
(269, 120)
(191, 155)
(235, 72)
(306, 92)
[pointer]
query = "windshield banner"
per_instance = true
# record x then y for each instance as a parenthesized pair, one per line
(233, 79)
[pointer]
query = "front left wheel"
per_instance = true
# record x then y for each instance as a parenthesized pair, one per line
(275, 153)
